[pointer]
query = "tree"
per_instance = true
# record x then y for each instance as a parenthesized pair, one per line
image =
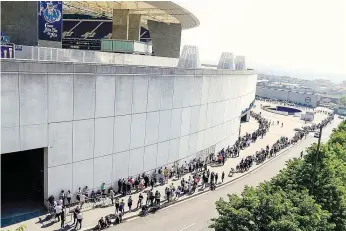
(343, 100)
(272, 209)
(293, 200)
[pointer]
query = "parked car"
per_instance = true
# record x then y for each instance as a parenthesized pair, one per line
(341, 117)
(317, 135)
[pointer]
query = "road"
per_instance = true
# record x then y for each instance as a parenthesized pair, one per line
(195, 214)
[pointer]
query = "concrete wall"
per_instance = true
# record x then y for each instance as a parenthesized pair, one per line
(296, 97)
(105, 122)
(166, 38)
(53, 44)
(19, 21)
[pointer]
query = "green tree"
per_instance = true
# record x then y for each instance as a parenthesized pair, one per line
(294, 199)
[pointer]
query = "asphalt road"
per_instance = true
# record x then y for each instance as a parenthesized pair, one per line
(195, 214)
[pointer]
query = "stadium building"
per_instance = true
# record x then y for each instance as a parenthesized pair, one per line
(303, 98)
(72, 118)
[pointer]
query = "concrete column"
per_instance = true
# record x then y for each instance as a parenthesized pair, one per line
(120, 25)
(166, 38)
(134, 27)
(19, 22)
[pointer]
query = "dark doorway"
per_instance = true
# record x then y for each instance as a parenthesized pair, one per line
(22, 185)
(243, 118)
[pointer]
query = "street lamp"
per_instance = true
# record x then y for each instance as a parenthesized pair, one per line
(316, 159)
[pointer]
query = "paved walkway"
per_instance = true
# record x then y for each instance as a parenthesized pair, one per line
(91, 217)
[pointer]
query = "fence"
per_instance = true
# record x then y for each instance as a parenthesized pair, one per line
(81, 56)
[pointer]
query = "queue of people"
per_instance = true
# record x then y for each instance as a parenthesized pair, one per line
(201, 176)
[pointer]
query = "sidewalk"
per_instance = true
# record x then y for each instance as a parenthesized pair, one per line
(91, 217)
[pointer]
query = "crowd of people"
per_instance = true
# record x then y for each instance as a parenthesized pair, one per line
(200, 176)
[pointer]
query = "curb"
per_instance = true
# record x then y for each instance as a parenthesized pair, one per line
(220, 185)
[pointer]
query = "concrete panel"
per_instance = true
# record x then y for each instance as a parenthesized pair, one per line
(33, 98)
(59, 143)
(60, 97)
(167, 87)
(123, 92)
(187, 91)
(205, 90)
(194, 119)
(10, 140)
(120, 24)
(138, 130)
(197, 90)
(176, 123)
(183, 147)
(103, 136)
(83, 174)
(200, 140)
(84, 96)
(105, 96)
(121, 162)
(202, 117)
(103, 170)
(192, 144)
(218, 89)
(136, 165)
(165, 126)
(163, 152)
(21, 27)
(33, 136)
(152, 128)
(166, 38)
(134, 27)
(154, 93)
(150, 157)
(173, 153)
(56, 174)
(178, 96)
(122, 132)
(140, 94)
(9, 100)
(185, 121)
(83, 140)
(210, 115)
(207, 138)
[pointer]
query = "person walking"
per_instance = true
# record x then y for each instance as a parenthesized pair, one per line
(117, 204)
(140, 199)
(129, 204)
(62, 218)
(122, 207)
(58, 210)
(68, 197)
(222, 176)
(112, 194)
(79, 220)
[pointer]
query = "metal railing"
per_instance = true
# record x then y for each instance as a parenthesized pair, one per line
(83, 56)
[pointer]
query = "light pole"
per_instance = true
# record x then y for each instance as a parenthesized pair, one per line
(316, 160)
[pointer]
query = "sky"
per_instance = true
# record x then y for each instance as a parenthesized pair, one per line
(300, 38)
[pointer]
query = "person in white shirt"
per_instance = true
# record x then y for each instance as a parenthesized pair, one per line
(58, 210)
(69, 196)
(79, 220)
(82, 200)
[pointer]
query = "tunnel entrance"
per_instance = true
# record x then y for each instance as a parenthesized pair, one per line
(22, 185)
(244, 118)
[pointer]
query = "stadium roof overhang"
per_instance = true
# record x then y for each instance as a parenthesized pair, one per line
(161, 11)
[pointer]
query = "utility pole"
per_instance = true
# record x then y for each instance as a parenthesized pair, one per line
(316, 159)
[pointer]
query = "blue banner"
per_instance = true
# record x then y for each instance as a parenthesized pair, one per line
(7, 50)
(50, 20)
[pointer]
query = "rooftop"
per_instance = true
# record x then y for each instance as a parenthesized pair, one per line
(161, 11)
